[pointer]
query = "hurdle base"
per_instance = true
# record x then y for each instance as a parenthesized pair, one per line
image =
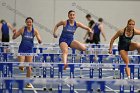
(116, 78)
(138, 90)
(35, 76)
(50, 89)
(45, 89)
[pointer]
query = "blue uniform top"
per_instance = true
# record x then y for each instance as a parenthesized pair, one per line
(68, 31)
(96, 29)
(96, 35)
(5, 29)
(27, 42)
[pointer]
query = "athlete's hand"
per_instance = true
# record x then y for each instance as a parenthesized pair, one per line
(39, 41)
(110, 51)
(54, 35)
(14, 31)
(91, 32)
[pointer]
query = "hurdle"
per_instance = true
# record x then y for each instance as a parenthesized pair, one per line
(74, 55)
(72, 66)
(90, 56)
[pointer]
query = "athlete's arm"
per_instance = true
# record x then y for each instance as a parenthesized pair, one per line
(113, 39)
(137, 32)
(11, 27)
(18, 33)
(38, 36)
(86, 28)
(0, 26)
(102, 31)
(56, 27)
(0, 29)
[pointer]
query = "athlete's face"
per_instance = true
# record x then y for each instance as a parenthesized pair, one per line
(89, 18)
(29, 23)
(71, 15)
(131, 25)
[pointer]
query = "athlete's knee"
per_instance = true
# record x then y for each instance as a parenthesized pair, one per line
(83, 48)
(138, 45)
(127, 63)
(65, 51)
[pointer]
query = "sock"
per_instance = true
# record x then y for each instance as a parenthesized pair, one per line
(128, 77)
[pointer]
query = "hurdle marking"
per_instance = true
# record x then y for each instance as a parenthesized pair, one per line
(111, 89)
(33, 89)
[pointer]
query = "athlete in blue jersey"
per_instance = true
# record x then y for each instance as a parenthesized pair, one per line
(97, 29)
(125, 44)
(5, 27)
(28, 33)
(66, 39)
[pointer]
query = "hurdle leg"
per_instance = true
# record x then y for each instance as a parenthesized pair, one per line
(1, 57)
(8, 86)
(71, 88)
(91, 72)
(139, 68)
(1, 75)
(44, 59)
(122, 89)
(5, 57)
(1, 87)
(44, 76)
(39, 72)
(60, 88)
(121, 67)
(52, 59)
(10, 69)
(73, 56)
(100, 68)
(132, 77)
(44, 72)
(81, 61)
(60, 73)
(91, 69)
(131, 88)
(71, 76)
(40, 50)
(5, 70)
(122, 77)
(51, 76)
(115, 70)
(81, 72)
(102, 86)
(20, 86)
(117, 61)
(139, 72)
(89, 86)
(100, 72)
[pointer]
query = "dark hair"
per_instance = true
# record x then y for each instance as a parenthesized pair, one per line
(88, 16)
(71, 11)
(29, 18)
(100, 20)
(2, 20)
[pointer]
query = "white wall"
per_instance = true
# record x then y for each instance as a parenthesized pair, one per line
(49, 12)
